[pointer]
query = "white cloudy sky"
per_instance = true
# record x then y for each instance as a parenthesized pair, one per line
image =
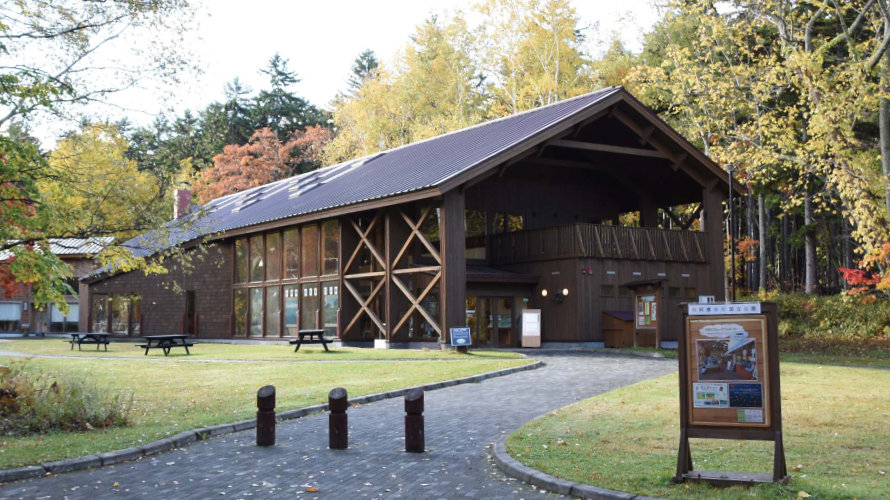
(235, 38)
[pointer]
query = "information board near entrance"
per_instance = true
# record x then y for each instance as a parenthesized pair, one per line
(729, 385)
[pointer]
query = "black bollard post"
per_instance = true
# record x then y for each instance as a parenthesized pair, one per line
(338, 437)
(414, 441)
(265, 416)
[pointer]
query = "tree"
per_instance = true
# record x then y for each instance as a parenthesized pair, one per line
(56, 59)
(278, 108)
(363, 68)
(96, 189)
(262, 160)
(534, 54)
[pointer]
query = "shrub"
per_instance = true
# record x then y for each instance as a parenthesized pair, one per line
(33, 402)
(838, 316)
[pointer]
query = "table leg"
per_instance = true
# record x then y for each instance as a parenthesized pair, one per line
(325, 344)
(72, 343)
(186, 349)
(299, 342)
(147, 346)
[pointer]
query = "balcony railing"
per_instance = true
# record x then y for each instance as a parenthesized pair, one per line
(602, 242)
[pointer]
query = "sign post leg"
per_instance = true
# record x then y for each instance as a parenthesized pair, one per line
(780, 473)
(684, 458)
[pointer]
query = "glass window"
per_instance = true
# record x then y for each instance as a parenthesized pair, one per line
(135, 315)
(310, 251)
(331, 292)
(241, 260)
(10, 316)
(273, 256)
(291, 309)
(120, 314)
(292, 253)
(331, 234)
(310, 306)
(100, 313)
(273, 311)
(239, 308)
(476, 231)
(60, 323)
(256, 311)
(257, 267)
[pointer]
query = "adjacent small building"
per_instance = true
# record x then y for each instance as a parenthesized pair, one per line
(18, 313)
(587, 206)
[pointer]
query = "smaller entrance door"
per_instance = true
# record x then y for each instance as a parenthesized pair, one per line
(190, 319)
(490, 320)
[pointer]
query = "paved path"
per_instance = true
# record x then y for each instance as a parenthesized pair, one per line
(461, 422)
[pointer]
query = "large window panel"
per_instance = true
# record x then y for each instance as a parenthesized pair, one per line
(257, 266)
(120, 314)
(310, 250)
(291, 309)
(136, 315)
(99, 313)
(256, 311)
(273, 311)
(292, 253)
(241, 262)
(310, 307)
(273, 256)
(239, 308)
(331, 296)
(331, 245)
(10, 316)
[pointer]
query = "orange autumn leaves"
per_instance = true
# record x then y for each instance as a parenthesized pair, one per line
(264, 159)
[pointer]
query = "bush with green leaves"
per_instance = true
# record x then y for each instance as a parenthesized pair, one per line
(835, 316)
(35, 402)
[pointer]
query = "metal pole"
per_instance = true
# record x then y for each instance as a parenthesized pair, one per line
(729, 171)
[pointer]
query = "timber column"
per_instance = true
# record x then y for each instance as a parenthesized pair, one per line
(452, 240)
(712, 210)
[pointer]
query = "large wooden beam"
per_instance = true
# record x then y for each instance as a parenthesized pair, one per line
(454, 264)
(712, 212)
(607, 148)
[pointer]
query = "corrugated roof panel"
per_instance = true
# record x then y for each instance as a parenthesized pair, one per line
(416, 166)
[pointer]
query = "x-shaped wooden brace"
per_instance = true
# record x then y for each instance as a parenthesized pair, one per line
(363, 236)
(415, 302)
(363, 304)
(416, 233)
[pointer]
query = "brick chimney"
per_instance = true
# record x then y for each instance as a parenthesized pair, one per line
(182, 202)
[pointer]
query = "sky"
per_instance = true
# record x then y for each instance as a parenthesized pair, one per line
(321, 39)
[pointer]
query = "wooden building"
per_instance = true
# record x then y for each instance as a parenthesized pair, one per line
(464, 229)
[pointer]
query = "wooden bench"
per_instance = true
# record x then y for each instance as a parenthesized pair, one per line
(89, 338)
(314, 336)
(165, 342)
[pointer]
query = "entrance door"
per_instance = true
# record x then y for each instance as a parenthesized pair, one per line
(490, 320)
(189, 319)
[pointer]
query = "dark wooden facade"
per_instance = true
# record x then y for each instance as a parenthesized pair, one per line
(543, 215)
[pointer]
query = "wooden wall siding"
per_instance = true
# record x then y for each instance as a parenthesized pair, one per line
(598, 241)
(162, 309)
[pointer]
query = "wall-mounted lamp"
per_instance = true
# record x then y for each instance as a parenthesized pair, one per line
(558, 297)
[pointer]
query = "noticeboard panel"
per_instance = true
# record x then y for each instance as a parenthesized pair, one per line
(727, 371)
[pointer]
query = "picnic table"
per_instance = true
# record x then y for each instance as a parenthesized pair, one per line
(97, 338)
(165, 342)
(314, 336)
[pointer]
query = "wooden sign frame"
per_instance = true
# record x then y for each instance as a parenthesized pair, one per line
(729, 388)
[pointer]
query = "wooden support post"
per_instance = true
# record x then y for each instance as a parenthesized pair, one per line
(712, 212)
(452, 234)
(648, 213)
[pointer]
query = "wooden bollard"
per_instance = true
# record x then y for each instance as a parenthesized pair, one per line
(265, 416)
(414, 441)
(338, 433)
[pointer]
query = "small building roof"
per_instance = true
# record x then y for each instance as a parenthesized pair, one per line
(72, 246)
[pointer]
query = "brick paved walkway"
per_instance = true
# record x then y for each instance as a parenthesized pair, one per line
(461, 423)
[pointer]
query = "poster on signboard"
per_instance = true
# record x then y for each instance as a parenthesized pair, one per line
(727, 371)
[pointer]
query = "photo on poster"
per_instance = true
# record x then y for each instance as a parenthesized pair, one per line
(746, 395)
(710, 396)
(726, 359)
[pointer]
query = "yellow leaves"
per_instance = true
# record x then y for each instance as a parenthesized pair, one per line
(803, 494)
(310, 489)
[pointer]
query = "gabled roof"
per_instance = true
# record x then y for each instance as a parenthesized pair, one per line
(428, 167)
(72, 246)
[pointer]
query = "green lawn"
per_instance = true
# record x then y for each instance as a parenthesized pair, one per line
(176, 395)
(265, 352)
(835, 425)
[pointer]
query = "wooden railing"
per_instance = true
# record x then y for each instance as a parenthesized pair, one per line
(596, 241)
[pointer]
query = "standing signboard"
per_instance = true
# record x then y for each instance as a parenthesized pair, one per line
(729, 384)
(531, 328)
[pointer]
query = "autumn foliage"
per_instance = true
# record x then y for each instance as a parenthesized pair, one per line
(873, 274)
(262, 160)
